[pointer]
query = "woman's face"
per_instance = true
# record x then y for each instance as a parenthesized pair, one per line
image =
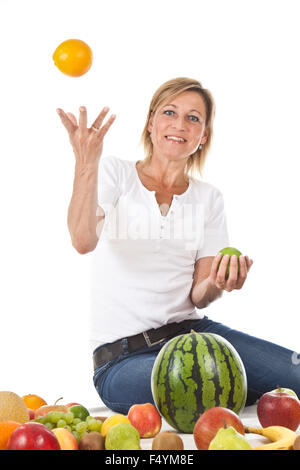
(178, 126)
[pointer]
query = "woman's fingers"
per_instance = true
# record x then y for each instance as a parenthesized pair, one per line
(243, 267)
(221, 273)
(215, 266)
(66, 120)
(238, 270)
(242, 272)
(87, 143)
(82, 118)
(249, 262)
(233, 274)
(99, 119)
(106, 126)
(72, 119)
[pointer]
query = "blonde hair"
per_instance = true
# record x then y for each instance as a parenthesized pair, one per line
(172, 88)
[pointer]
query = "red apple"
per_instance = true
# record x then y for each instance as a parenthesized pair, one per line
(279, 409)
(66, 439)
(211, 421)
(145, 418)
(32, 436)
(285, 390)
(43, 410)
(72, 404)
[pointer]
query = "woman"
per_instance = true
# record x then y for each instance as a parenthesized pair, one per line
(156, 232)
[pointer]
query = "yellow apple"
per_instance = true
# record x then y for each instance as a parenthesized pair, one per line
(65, 438)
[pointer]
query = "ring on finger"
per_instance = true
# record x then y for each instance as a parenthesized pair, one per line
(95, 128)
(220, 284)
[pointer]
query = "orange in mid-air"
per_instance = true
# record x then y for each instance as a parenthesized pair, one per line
(73, 57)
(6, 429)
(33, 402)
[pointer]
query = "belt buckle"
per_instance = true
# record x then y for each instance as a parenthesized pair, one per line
(147, 339)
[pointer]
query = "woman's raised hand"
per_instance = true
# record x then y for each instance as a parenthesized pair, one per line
(87, 142)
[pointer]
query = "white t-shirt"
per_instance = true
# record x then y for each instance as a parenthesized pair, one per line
(142, 268)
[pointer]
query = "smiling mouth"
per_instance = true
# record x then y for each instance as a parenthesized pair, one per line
(174, 139)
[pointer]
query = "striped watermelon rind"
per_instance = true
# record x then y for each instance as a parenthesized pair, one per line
(194, 372)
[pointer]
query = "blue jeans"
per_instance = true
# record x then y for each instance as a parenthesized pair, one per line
(126, 380)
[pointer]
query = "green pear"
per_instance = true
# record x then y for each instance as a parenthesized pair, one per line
(122, 436)
(229, 439)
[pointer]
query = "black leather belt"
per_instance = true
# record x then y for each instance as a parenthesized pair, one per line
(149, 338)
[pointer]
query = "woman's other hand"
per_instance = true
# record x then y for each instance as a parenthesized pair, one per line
(236, 278)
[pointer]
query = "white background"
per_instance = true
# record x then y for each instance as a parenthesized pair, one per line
(247, 54)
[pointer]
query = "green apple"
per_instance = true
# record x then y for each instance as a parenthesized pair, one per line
(229, 439)
(230, 251)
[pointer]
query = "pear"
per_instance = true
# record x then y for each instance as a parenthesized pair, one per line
(122, 436)
(229, 439)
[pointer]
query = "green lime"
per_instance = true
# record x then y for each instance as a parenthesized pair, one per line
(230, 251)
(79, 411)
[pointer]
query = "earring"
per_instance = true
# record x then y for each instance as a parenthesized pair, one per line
(150, 135)
(200, 147)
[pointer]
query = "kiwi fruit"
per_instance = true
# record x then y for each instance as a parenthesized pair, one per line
(92, 441)
(296, 445)
(167, 440)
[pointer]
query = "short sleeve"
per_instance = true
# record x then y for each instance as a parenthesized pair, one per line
(108, 182)
(215, 235)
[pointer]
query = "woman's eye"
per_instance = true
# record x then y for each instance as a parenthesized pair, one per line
(191, 117)
(168, 111)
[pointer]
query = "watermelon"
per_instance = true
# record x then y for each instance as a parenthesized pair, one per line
(194, 372)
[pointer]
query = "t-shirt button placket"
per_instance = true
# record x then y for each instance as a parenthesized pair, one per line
(162, 226)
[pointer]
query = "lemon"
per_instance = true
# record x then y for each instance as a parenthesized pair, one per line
(111, 421)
